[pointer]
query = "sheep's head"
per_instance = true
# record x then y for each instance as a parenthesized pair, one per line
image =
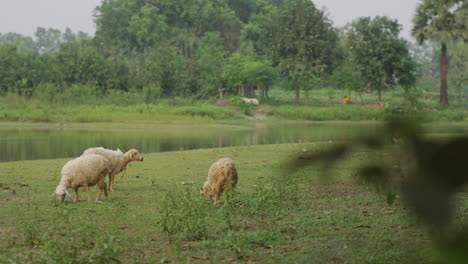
(205, 191)
(133, 155)
(202, 191)
(61, 191)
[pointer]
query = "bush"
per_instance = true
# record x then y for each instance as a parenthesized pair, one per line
(81, 94)
(48, 92)
(152, 92)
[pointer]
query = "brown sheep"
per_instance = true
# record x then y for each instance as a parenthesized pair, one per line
(222, 176)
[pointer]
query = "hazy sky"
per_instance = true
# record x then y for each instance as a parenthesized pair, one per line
(24, 16)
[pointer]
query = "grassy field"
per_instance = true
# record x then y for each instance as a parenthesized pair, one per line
(275, 216)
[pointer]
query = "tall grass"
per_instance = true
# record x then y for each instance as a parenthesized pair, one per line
(15, 108)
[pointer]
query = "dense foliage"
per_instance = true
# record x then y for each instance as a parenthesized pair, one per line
(208, 48)
(380, 56)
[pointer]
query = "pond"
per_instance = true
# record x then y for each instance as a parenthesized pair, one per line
(29, 143)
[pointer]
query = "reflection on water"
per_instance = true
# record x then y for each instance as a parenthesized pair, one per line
(28, 144)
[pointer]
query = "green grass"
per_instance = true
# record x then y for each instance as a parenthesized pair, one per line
(274, 216)
(20, 109)
(324, 104)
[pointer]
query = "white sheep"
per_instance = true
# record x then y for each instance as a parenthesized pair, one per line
(250, 100)
(222, 176)
(83, 171)
(118, 160)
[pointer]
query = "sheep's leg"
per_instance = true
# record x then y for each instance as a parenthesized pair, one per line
(217, 195)
(86, 189)
(105, 189)
(111, 182)
(98, 194)
(102, 188)
(217, 199)
(76, 195)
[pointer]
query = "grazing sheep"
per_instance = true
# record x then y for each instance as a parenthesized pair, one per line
(118, 160)
(83, 171)
(222, 176)
(250, 100)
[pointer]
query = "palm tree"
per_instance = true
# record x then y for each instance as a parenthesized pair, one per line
(441, 21)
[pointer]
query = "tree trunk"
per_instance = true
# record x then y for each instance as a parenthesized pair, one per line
(297, 95)
(266, 92)
(220, 94)
(443, 76)
(407, 97)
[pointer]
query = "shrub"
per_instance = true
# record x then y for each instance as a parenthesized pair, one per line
(80, 94)
(152, 92)
(48, 92)
(184, 213)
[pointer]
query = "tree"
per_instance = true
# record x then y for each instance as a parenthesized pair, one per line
(47, 40)
(81, 63)
(344, 77)
(262, 74)
(211, 60)
(22, 43)
(441, 21)
(234, 74)
(378, 53)
(301, 41)
(458, 63)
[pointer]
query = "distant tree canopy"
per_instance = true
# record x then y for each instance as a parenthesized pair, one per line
(207, 48)
(379, 55)
(301, 41)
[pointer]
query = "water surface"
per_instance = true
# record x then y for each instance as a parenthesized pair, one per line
(29, 143)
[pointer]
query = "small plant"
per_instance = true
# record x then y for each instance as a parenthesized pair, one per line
(229, 207)
(184, 213)
(263, 202)
(106, 252)
(29, 226)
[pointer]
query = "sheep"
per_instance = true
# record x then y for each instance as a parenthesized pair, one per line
(222, 176)
(83, 171)
(250, 100)
(118, 160)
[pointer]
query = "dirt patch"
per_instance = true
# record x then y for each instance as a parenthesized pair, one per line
(260, 114)
(221, 102)
(257, 116)
(376, 106)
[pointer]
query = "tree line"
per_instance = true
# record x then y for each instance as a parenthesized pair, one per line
(206, 48)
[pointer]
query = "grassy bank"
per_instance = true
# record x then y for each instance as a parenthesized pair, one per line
(323, 106)
(14, 108)
(273, 217)
(359, 112)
